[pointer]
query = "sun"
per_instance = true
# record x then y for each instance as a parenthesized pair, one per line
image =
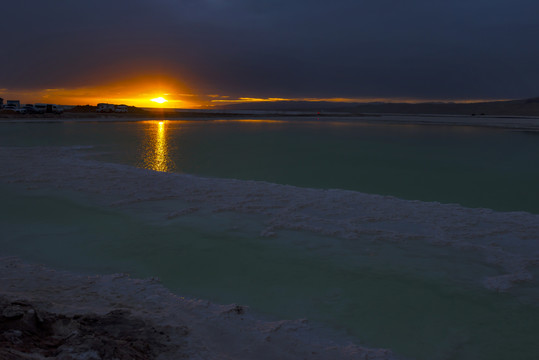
(160, 100)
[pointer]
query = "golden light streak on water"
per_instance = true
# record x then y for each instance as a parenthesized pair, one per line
(156, 153)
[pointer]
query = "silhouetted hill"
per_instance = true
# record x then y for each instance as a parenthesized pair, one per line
(513, 107)
(525, 107)
(286, 105)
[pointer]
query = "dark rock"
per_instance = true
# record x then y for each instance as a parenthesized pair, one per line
(28, 333)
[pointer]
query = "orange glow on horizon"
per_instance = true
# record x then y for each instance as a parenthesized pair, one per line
(240, 100)
(162, 92)
(138, 91)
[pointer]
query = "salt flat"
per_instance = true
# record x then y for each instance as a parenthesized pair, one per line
(505, 241)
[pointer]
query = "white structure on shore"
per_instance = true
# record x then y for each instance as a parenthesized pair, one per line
(121, 108)
(104, 107)
(14, 106)
(13, 103)
(48, 108)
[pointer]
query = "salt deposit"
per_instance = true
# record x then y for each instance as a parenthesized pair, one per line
(200, 329)
(48, 313)
(508, 240)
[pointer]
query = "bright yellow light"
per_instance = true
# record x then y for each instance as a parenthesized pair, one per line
(156, 154)
(160, 100)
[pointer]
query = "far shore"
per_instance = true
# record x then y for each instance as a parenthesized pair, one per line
(526, 123)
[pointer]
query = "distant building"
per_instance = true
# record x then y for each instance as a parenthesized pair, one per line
(29, 109)
(11, 106)
(1, 103)
(48, 108)
(121, 108)
(13, 103)
(104, 107)
(40, 108)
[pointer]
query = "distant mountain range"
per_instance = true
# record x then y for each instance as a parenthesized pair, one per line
(525, 107)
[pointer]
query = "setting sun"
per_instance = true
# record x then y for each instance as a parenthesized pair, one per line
(160, 100)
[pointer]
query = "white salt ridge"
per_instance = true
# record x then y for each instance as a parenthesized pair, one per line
(505, 239)
(196, 329)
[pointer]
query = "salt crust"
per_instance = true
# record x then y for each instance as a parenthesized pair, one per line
(231, 331)
(190, 328)
(505, 239)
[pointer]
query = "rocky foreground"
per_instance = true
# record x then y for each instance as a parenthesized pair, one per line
(30, 332)
(47, 314)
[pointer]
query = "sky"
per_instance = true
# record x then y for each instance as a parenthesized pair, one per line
(204, 53)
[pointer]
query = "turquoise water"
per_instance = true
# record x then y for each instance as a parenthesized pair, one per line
(474, 167)
(414, 300)
(422, 301)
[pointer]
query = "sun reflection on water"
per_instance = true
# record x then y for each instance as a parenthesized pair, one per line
(156, 153)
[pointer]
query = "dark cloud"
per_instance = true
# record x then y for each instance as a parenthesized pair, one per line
(383, 48)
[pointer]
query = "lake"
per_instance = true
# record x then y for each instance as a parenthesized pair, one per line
(472, 166)
(409, 275)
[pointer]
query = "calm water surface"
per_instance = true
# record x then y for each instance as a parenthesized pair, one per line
(475, 167)
(422, 301)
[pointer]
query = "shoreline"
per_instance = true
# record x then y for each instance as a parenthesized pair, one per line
(524, 123)
(221, 331)
(343, 213)
(95, 317)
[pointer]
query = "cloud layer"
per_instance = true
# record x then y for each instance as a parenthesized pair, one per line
(387, 48)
